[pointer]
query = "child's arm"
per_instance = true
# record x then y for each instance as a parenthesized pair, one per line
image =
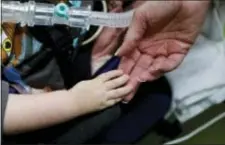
(30, 112)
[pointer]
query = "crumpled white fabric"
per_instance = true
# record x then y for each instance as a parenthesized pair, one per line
(199, 82)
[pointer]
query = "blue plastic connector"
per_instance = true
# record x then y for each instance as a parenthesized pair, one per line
(61, 10)
(76, 3)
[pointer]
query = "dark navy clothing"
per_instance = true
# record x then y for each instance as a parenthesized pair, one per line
(150, 104)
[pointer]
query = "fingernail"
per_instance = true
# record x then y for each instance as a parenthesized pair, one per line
(141, 79)
(125, 102)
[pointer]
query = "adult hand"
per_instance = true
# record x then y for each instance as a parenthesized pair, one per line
(159, 37)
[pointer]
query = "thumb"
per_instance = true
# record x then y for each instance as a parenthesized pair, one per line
(134, 34)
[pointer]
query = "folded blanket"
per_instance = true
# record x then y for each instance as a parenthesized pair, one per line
(199, 82)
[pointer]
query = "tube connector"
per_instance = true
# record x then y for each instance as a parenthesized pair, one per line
(31, 13)
(62, 10)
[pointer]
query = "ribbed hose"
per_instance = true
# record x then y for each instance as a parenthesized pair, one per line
(111, 19)
(32, 13)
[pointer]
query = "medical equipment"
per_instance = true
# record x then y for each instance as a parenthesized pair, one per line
(31, 13)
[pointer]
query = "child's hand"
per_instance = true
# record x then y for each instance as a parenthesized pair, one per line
(101, 92)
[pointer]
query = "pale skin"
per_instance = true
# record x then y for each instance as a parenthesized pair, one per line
(31, 112)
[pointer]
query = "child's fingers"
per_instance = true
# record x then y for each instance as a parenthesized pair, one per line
(135, 83)
(110, 75)
(117, 82)
(120, 92)
(113, 101)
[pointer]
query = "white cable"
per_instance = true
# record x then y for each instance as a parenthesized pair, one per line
(99, 30)
(198, 130)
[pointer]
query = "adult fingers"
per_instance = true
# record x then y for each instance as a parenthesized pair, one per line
(172, 62)
(134, 34)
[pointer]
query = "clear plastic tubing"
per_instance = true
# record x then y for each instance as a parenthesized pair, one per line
(31, 13)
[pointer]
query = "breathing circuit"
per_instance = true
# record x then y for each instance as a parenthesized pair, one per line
(32, 13)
